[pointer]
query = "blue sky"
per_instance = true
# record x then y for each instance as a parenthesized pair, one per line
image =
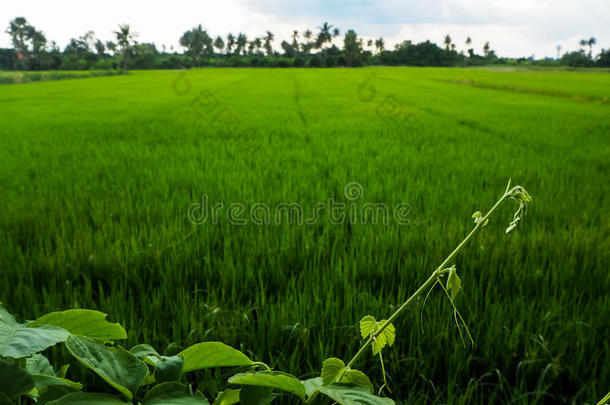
(513, 27)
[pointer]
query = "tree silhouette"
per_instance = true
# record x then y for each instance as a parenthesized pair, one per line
(379, 44)
(268, 39)
(126, 39)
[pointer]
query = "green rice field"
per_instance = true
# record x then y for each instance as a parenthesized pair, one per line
(105, 186)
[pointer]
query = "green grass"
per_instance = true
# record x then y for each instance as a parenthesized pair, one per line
(97, 176)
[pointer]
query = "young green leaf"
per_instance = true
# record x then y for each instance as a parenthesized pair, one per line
(367, 326)
(386, 337)
(454, 284)
(227, 397)
(271, 379)
(311, 385)
(38, 364)
(212, 354)
(83, 322)
(357, 377)
(331, 368)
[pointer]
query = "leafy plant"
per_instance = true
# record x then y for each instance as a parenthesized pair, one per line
(143, 376)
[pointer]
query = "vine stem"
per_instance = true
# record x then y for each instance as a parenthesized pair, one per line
(430, 281)
(427, 284)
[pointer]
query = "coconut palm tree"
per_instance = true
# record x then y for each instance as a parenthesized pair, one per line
(219, 43)
(447, 42)
(126, 39)
(590, 42)
(241, 42)
(197, 41)
(379, 44)
(324, 35)
(230, 43)
(295, 40)
(307, 44)
(268, 40)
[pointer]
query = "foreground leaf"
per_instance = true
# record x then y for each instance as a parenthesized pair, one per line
(39, 364)
(83, 322)
(367, 326)
(331, 368)
(357, 377)
(352, 395)
(169, 368)
(385, 338)
(311, 385)
(227, 397)
(14, 381)
(173, 393)
(115, 365)
(86, 398)
(212, 354)
(17, 340)
(271, 379)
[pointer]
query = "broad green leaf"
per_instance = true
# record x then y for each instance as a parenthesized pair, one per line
(52, 393)
(271, 379)
(357, 377)
(143, 351)
(169, 368)
(17, 340)
(454, 284)
(227, 397)
(367, 326)
(6, 317)
(39, 364)
(353, 395)
(331, 368)
(311, 385)
(212, 354)
(44, 381)
(83, 322)
(61, 373)
(115, 365)
(14, 381)
(4, 400)
(173, 393)
(253, 395)
(86, 398)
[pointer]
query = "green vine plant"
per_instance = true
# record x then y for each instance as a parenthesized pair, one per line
(143, 376)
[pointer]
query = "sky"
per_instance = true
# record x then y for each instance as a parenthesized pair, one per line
(514, 28)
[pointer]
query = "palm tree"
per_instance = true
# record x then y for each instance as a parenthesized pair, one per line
(295, 42)
(468, 43)
(307, 44)
(126, 39)
(583, 43)
(486, 49)
(242, 40)
(379, 44)
(324, 35)
(219, 44)
(230, 43)
(268, 40)
(258, 44)
(369, 43)
(447, 42)
(590, 42)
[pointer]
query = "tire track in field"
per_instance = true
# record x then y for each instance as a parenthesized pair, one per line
(297, 100)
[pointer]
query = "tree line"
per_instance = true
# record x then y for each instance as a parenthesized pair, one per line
(32, 51)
